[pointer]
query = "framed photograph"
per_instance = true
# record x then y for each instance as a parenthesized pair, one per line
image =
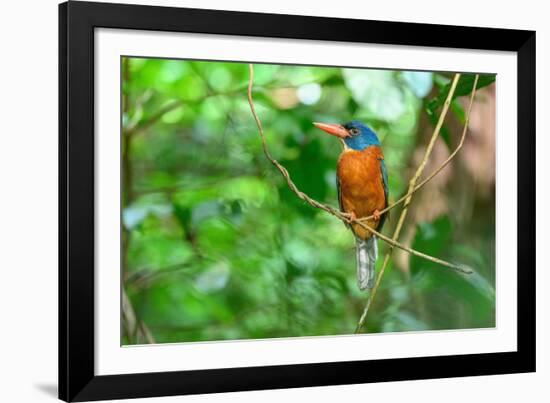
(258, 201)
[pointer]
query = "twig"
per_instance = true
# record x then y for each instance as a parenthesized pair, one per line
(173, 105)
(413, 187)
(136, 330)
(133, 325)
(177, 103)
(435, 172)
(329, 209)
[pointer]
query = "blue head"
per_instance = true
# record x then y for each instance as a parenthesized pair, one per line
(354, 134)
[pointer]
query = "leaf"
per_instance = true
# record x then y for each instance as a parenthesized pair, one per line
(183, 215)
(464, 87)
(475, 259)
(443, 132)
(458, 111)
(441, 80)
(481, 285)
(431, 238)
(471, 291)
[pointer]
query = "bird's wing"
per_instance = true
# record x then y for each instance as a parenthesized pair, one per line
(384, 179)
(340, 204)
(384, 173)
(339, 193)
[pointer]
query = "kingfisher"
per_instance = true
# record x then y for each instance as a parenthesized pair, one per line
(362, 183)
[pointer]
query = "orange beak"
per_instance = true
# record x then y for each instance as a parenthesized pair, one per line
(334, 129)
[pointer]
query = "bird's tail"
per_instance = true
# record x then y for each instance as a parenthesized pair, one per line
(366, 252)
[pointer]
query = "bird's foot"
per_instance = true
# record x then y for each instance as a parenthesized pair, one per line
(352, 217)
(376, 215)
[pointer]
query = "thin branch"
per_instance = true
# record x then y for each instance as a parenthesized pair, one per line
(173, 105)
(177, 103)
(435, 172)
(329, 209)
(414, 252)
(135, 329)
(413, 187)
(141, 277)
(133, 325)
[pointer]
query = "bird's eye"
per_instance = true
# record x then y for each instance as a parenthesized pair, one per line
(354, 131)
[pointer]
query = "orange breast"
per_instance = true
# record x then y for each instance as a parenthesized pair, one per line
(361, 186)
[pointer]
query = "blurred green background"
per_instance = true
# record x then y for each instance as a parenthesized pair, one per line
(216, 247)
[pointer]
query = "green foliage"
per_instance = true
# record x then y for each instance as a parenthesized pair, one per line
(219, 248)
(464, 87)
(471, 297)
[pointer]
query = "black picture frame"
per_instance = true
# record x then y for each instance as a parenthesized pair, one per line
(77, 379)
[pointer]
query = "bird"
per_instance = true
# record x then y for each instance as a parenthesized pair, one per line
(362, 184)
